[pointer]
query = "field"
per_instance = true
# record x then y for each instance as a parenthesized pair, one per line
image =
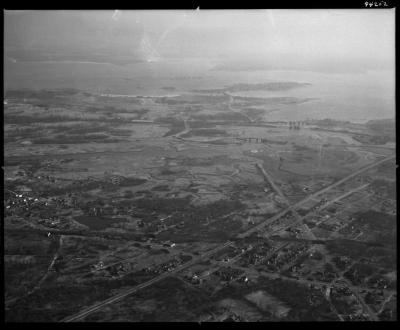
(107, 192)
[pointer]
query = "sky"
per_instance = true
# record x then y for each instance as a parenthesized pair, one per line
(359, 35)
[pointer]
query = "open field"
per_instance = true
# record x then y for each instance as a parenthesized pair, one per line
(118, 192)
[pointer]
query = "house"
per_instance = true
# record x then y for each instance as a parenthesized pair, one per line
(169, 244)
(97, 266)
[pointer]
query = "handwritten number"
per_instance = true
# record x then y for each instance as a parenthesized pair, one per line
(375, 4)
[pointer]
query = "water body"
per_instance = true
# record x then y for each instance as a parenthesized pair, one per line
(356, 97)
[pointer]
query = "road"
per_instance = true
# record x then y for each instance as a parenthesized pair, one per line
(307, 282)
(349, 285)
(251, 120)
(75, 155)
(34, 228)
(385, 302)
(280, 193)
(122, 295)
(310, 197)
(60, 243)
(366, 308)
(271, 182)
(186, 129)
(363, 146)
(172, 251)
(323, 207)
(275, 276)
(44, 277)
(353, 289)
(340, 198)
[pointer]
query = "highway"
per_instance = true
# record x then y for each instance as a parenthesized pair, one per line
(122, 295)
(323, 207)
(353, 289)
(308, 198)
(271, 182)
(280, 193)
(340, 198)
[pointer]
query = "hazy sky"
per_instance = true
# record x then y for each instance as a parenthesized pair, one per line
(303, 34)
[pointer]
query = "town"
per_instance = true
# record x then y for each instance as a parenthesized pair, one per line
(199, 166)
(169, 216)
